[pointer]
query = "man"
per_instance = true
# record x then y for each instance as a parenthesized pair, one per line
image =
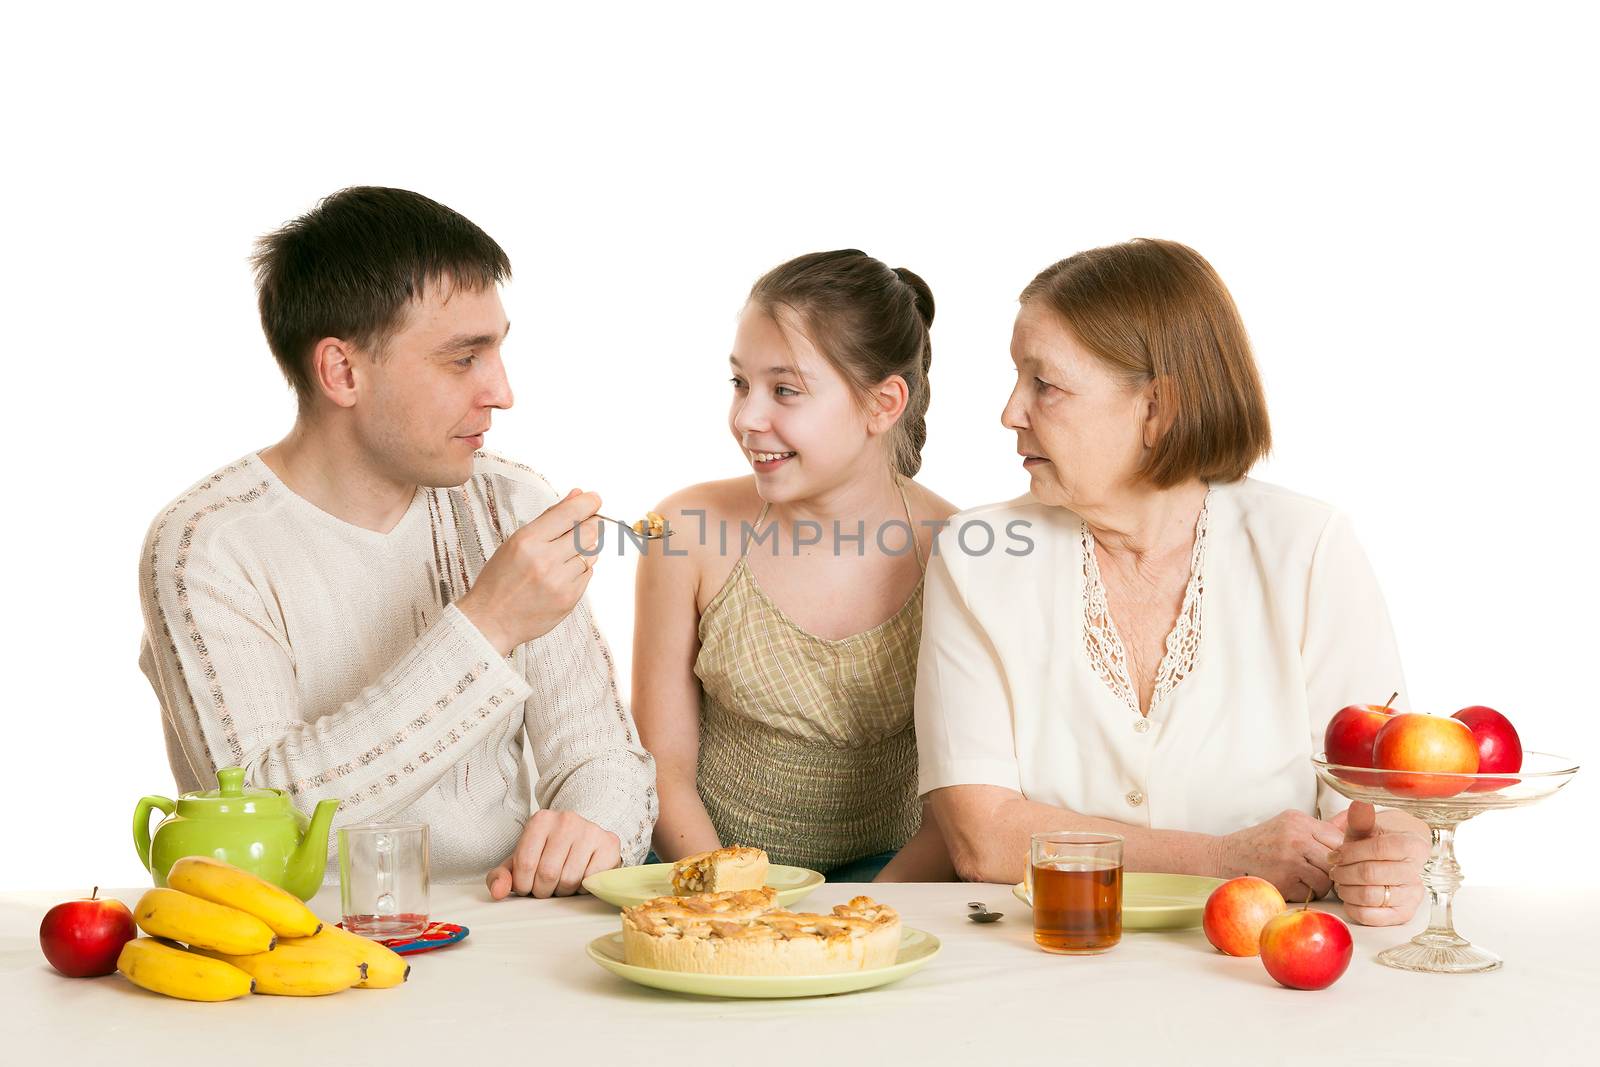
(376, 610)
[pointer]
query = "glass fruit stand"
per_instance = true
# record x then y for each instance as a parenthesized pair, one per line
(1444, 802)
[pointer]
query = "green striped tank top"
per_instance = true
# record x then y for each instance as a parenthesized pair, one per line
(807, 747)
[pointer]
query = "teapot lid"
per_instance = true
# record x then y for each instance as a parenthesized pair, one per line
(233, 797)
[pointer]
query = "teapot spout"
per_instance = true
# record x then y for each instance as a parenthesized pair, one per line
(303, 877)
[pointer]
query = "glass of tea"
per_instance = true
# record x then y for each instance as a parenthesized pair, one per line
(1074, 882)
(383, 879)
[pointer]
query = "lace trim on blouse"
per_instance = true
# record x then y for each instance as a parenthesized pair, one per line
(1109, 658)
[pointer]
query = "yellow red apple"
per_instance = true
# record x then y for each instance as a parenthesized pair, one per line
(1499, 747)
(1432, 744)
(1237, 910)
(1305, 949)
(82, 938)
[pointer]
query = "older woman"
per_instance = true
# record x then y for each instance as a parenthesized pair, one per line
(1158, 651)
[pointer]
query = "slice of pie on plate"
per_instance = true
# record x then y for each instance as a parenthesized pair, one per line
(745, 932)
(720, 871)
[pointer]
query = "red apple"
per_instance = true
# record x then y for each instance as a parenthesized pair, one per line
(1499, 747)
(1429, 743)
(1350, 734)
(1306, 949)
(1237, 910)
(82, 938)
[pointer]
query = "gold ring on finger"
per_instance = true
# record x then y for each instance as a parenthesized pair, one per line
(1386, 891)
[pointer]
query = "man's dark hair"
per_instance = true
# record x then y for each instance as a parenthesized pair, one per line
(349, 267)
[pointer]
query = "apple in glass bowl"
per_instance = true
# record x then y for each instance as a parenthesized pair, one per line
(1499, 747)
(1351, 732)
(1440, 749)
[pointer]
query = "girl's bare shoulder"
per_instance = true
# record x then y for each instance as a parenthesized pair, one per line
(926, 504)
(929, 511)
(727, 500)
(704, 520)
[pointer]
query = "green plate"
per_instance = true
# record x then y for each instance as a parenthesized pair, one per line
(916, 949)
(1158, 901)
(628, 886)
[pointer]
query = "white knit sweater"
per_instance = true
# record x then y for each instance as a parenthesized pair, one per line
(329, 660)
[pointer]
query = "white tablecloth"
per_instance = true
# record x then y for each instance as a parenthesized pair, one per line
(520, 990)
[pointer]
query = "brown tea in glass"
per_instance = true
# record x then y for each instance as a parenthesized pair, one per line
(1075, 885)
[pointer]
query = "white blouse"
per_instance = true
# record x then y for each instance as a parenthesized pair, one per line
(1021, 681)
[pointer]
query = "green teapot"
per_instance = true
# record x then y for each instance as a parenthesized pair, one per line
(257, 830)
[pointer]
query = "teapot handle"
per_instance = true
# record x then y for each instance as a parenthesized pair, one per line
(141, 825)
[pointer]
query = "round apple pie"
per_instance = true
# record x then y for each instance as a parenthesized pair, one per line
(745, 932)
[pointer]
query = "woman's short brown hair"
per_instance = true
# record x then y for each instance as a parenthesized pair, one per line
(1157, 310)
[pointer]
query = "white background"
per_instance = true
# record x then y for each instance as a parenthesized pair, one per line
(1401, 198)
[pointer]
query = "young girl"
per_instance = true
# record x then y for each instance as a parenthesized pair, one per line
(775, 662)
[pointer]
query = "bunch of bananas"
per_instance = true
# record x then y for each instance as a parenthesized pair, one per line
(245, 935)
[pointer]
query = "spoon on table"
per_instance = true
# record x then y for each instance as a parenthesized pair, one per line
(981, 914)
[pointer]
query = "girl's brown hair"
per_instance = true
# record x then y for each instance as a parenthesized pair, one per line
(1157, 310)
(870, 322)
